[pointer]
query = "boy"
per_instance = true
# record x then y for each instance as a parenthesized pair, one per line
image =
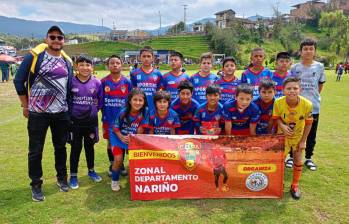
(203, 78)
(115, 91)
(228, 82)
(147, 78)
(312, 76)
(172, 79)
(241, 115)
(265, 104)
(87, 100)
(283, 64)
(339, 72)
(165, 120)
(252, 75)
(292, 113)
(185, 107)
(209, 116)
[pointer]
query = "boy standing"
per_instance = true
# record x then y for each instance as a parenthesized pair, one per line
(147, 78)
(282, 65)
(228, 82)
(292, 113)
(253, 74)
(87, 100)
(203, 78)
(312, 76)
(185, 107)
(172, 79)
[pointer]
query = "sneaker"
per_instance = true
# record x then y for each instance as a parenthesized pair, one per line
(289, 163)
(63, 185)
(109, 171)
(115, 186)
(37, 194)
(310, 164)
(295, 193)
(94, 176)
(73, 183)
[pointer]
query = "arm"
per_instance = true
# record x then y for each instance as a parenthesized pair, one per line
(24, 104)
(253, 128)
(303, 142)
(173, 131)
(123, 138)
(227, 127)
(321, 86)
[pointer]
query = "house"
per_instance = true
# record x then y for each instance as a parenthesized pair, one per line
(340, 4)
(302, 10)
(225, 18)
(137, 34)
(198, 27)
(118, 34)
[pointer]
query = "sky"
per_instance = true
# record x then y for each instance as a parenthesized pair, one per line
(136, 14)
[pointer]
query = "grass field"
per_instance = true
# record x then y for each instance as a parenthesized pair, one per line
(325, 192)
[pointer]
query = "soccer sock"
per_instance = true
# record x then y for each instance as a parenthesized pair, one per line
(110, 156)
(297, 172)
(115, 175)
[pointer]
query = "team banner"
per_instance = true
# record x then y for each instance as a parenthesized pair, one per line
(190, 166)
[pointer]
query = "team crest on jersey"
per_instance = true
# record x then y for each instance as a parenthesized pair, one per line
(171, 82)
(189, 151)
(155, 78)
(123, 88)
(139, 77)
(107, 89)
(217, 117)
(196, 80)
(75, 90)
(170, 121)
(203, 114)
(92, 90)
(257, 181)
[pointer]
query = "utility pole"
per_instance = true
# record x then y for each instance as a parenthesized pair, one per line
(160, 24)
(185, 16)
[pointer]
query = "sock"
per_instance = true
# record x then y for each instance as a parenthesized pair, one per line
(115, 175)
(297, 172)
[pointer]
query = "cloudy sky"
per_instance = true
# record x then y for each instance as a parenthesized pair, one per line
(133, 14)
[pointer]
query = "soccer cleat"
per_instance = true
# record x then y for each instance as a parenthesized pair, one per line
(289, 163)
(63, 185)
(115, 186)
(310, 164)
(295, 192)
(37, 194)
(94, 176)
(73, 183)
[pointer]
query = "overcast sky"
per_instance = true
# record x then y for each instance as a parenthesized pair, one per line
(136, 14)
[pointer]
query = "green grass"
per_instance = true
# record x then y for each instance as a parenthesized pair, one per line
(325, 192)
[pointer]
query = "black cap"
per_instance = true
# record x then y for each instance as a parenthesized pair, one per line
(55, 28)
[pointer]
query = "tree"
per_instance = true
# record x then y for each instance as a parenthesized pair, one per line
(177, 28)
(336, 26)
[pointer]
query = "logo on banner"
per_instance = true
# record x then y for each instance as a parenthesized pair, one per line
(257, 181)
(189, 152)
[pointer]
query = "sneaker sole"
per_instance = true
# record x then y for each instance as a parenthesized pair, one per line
(96, 181)
(74, 188)
(116, 189)
(38, 200)
(61, 190)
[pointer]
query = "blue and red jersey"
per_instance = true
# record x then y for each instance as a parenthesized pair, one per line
(127, 125)
(114, 97)
(200, 84)
(278, 80)
(253, 78)
(228, 88)
(206, 120)
(266, 110)
(149, 82)
(163, 125)
(186, 116)
(241, 120)
(170, 83)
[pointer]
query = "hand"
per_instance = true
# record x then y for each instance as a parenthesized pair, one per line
(124, 138)
(287, 130)
(302, 145)
(25, 112)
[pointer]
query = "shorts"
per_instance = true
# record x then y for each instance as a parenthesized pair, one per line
(291, 144)
(117, 151)
(105, 128)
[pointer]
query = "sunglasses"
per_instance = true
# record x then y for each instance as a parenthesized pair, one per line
(53, 37)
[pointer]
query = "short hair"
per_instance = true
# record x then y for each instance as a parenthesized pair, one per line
(161, 94)
(213, 89)
(207, 55)
(266, 83)
(283, 55)
(114, 56)
(84, 58)
(244, 88)
(307, 42)
(289, 79)
(177, 54)
(185, 84)
(146, 49)
(257, 49)
(232, 59)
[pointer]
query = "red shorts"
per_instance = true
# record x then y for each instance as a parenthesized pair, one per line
(105, 128)
(117, 151)
(244, 132)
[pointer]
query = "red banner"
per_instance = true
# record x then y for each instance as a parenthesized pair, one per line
(166, 167)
